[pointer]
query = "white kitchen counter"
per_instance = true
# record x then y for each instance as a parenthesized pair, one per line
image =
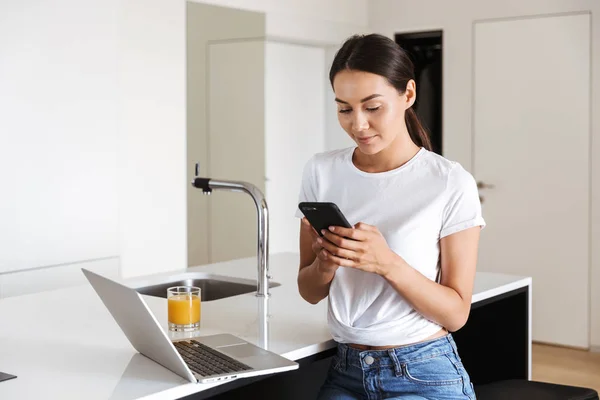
(64, 344)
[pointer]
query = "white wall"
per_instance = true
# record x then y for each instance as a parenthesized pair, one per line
(152, 136)
(92, 145)
(325, 22)
(58, 133)
(456, 19)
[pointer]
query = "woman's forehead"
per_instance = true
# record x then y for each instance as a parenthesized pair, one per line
(357, 85)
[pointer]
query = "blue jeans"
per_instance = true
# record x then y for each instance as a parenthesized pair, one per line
(427, 370)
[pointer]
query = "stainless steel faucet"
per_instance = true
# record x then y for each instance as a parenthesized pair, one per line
(208, 185)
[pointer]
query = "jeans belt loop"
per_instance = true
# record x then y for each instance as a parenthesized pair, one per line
(397, 365)
(453, 344)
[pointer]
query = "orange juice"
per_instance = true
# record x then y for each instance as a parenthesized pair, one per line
(184, 309)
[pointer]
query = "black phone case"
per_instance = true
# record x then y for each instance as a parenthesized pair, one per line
(323, 215)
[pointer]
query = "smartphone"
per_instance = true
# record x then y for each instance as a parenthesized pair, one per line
(323, 215)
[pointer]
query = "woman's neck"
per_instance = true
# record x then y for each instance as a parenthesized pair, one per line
(398, 153)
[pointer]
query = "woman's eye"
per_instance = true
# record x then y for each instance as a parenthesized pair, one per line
(346, 111)
(373, 108)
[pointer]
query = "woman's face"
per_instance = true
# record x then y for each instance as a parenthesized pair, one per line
(371, 110)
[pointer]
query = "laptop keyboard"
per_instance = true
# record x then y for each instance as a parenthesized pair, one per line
(207, 362)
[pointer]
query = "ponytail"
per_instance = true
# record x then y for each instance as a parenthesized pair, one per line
(417, 132)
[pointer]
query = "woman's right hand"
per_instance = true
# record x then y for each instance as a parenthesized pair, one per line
(324, 265)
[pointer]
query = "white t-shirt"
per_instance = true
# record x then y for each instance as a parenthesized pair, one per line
(413, 206)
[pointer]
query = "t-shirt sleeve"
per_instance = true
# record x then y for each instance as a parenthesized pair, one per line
(308, 187)
(463, 207)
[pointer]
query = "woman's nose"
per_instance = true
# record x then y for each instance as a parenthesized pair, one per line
(360, 123)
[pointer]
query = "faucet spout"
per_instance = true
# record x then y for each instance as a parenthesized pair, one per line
(207, 185)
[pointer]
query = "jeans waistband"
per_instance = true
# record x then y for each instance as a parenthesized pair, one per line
(394, 357)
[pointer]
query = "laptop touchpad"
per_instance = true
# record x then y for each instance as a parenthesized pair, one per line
(242, 351)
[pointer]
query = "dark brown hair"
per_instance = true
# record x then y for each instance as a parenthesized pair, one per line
(380, 55)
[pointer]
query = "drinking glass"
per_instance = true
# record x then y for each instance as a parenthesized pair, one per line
(184, 308)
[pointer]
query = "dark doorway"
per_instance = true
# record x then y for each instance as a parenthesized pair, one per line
(425, 50)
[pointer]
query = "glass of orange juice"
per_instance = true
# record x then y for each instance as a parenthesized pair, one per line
(184, 308)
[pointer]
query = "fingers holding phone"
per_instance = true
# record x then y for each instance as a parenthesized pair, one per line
(321, 216)
(325, 263)
(313, 234)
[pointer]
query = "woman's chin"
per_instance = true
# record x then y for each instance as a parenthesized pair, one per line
(370, 148)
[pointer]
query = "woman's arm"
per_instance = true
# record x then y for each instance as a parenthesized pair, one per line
(315, 275)
(447, 303)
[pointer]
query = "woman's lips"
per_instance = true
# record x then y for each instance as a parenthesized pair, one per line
(365, 140)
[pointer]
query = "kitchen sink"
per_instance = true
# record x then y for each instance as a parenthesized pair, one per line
(213, 287)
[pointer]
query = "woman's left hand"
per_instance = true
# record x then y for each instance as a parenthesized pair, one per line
(362, 247)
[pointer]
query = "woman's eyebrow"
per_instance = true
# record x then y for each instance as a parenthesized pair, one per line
(362, 101)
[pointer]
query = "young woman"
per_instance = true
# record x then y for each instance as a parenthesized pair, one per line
(401, 280)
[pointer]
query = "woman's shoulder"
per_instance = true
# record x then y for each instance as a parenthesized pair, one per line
(437, 163)
(455, 175)
(331, 156)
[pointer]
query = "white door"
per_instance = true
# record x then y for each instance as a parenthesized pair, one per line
(532, 141)
(294, 125)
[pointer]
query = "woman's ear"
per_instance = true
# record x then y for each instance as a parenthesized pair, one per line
(410, 93)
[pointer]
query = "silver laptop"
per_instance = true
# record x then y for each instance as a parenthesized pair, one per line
(201, 359)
